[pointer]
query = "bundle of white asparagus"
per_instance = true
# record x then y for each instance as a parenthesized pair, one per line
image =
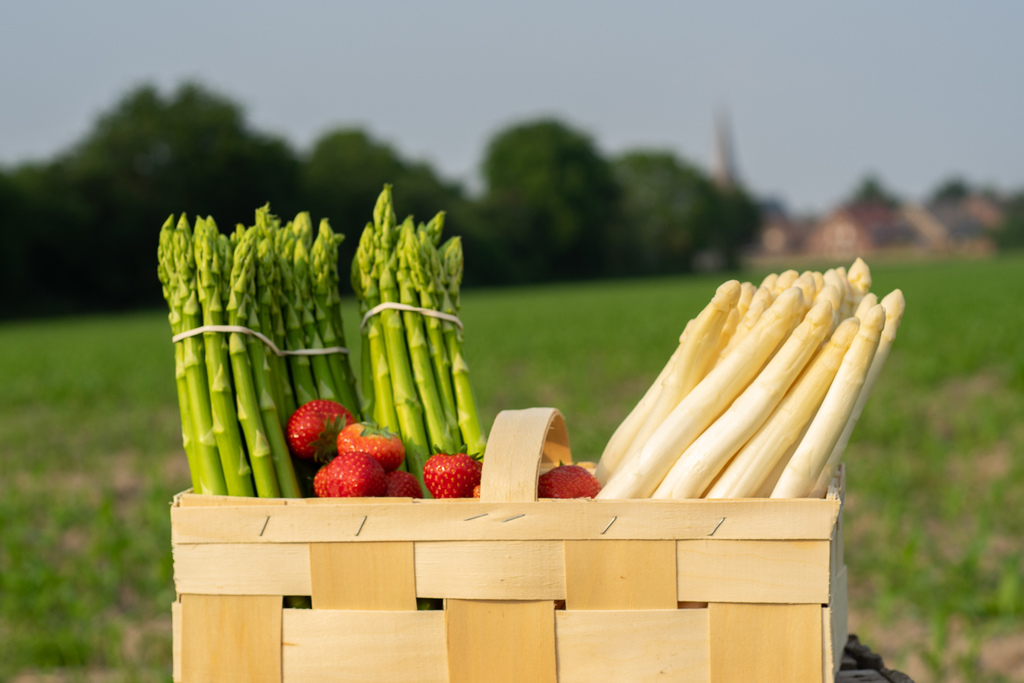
(762, 393)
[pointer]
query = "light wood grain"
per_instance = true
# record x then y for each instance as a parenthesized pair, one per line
(363, 647)
(644, 645)
(614, 575)
(362, 576)
(510, 570)
(765, 643)
(839, 629)
(517, 443)
(753, 571)
(176, 641)
(436, 520)
(231, 638)
(242, 569)
(500, 641)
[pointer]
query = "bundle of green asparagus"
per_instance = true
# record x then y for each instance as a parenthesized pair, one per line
(762, 393)
(415, 379)
(235, 303)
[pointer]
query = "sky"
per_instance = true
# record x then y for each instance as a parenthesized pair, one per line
(818, 94)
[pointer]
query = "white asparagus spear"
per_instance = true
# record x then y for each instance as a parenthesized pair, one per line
(761, 302)
(831, 294)
(785, 281)
(812, 454)
(868, 302)
(747, 291)
(753, 464)
(819, 280)
(859, 276)
(697, 354)
(766, 488)
(894, 305)
(807, 283)
(638, 477)
(701, 462)
(848, 303)
(627, 429)
(769, 281)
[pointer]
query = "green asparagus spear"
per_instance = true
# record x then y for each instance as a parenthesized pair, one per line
(440, 433)
(451, 278)
(327, 310)
(376, 368)
(168, 280)
(186, 300)
(268, 297)
(303, 383)
(241, 310)
(211, 269)
(407, 404)
(424, 281)
(305, 306)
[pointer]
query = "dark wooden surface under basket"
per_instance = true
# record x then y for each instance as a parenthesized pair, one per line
(861, 665)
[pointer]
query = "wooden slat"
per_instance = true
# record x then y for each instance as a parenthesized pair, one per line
(830, 659)
(435, 520)
(242, 569)
(190, 500)
(496, 570)
(753, 571)
(363, 647)
(176, 641)
(765, 643)
(231, 638)
(620, 575)
(500, 641)
(837, 616)
(518, 441)
(643, 645)
(362, 576)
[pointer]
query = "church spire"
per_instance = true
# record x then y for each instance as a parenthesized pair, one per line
(723, 169)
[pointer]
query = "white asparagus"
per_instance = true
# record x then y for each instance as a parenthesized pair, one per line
(755, 461)
(819, 280)
(766, 488)
(697, 354)
(859, 276)
(784, 281)
(868, 302)
(627, 429)
(759, 303)
(894, 305)
(747, 291)
(848, 302)
(809, 286)
(701, 462)
(812, 454)
(769, 281)
(640, 475)
(831, 294)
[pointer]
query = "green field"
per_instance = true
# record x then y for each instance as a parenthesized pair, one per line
(90, 454)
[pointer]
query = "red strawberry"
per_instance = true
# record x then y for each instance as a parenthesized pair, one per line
(353, 475)
(568, 481)
(313, 429)
(451, 476)
(402, 485)
(476, 491)
(364, 437)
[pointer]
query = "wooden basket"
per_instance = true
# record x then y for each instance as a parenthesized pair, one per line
(706, 591)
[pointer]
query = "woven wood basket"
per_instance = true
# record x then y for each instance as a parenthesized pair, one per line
(534, 591)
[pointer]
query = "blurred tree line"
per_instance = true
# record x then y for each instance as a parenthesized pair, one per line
(78, 232)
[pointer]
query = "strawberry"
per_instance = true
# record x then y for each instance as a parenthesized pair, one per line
(312, 430)
(451, 476)
(402, 485)
(476, 491)
(568, 481)
(366, 437)
(353, 475)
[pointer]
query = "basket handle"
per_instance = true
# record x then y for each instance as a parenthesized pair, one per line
(518, 442)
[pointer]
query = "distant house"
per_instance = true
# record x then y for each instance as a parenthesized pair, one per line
(861, 229)
(956, 226)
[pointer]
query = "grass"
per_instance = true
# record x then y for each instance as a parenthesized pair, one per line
(90, 451)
